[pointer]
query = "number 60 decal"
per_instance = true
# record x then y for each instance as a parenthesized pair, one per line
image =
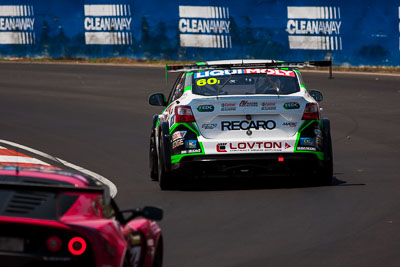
(209, 81)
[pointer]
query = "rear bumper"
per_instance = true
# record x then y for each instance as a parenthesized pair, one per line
(258, 165)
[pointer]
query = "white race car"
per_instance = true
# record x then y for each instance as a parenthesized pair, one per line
(240, 117)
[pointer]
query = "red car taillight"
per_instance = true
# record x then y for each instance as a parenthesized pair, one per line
(53, 243)
(183, 114)
(311, 112)
(77, 245)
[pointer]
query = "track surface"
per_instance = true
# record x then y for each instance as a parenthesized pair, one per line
(98, 117)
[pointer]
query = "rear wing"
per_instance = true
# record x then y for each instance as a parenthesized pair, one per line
(266, 64)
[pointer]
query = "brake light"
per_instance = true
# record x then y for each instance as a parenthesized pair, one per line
(311, 112)
(183, 114)
(53, 243)
(77, 245)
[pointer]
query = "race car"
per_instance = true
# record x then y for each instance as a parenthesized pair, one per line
(54, 213)
(240, 118)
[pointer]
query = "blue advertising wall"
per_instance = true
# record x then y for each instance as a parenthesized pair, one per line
(354, 32)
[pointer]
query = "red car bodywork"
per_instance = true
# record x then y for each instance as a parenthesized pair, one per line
(111, 241)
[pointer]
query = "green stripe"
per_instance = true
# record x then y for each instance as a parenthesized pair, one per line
(188, 88)
(303, 126)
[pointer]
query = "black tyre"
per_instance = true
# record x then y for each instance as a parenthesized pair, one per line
(153, 161)
(165, 178)
(158, 257)
(153, 158)
(326, 174)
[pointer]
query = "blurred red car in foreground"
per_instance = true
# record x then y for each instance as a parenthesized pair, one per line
(53, 214)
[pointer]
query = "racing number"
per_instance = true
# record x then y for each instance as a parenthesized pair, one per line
(210, 81)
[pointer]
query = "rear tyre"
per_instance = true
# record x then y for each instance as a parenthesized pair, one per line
(158, 257)
(165, 178)
(153, 158)
(326, 174)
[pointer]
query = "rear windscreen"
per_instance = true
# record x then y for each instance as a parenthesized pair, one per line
(31, 204)
(245, 82)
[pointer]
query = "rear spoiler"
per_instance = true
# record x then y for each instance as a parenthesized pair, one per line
(271, 64)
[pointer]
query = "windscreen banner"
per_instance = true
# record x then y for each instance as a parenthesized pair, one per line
(351, 32)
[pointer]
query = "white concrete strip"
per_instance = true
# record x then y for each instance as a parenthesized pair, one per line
(100, 178)
(19, 159)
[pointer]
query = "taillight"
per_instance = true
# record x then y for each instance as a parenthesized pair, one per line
(183, 114)
(77, 245)
(53, 243)
(311, 112)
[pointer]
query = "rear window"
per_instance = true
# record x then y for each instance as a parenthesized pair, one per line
(33, 204)
(245, 82)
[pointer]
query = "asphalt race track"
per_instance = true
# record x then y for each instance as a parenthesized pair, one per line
(98, 117)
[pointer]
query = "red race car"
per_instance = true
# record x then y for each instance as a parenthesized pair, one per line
(54, 213)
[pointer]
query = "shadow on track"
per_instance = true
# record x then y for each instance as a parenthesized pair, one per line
(246, 183)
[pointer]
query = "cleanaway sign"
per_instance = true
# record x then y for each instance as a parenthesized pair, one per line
(17, 24)
(204, 26)
(314, 27)
(108, 24)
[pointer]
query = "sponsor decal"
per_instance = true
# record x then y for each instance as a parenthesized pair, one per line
(108, 24)
(205, 108)
(307, 148)
(314, 27)
(245, 103)
(268, 106)
(191, 151)
(178, 135)
(228, 106)
(209, 126)
(190, 144)
(306, 141)
(278, 72)
(290, 124)
(172, 121)
(17, 24)
(209, 81)
(221, 147)
(291, 105)
(247, 125)
(177, 143)
(204, 26)
(252, 147)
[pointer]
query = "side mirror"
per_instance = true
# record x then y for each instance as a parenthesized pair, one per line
(317, 95)
(151, 213)
(157, 100)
